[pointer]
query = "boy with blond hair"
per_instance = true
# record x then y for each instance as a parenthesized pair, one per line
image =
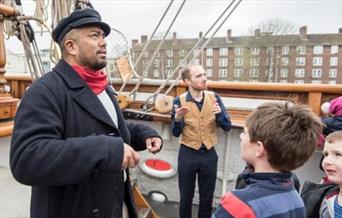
(332, 165)
(278, 137)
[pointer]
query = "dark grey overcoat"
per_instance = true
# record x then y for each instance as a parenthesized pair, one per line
(67, 148)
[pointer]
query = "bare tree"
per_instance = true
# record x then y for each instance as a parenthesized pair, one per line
(270, 34)
(274, 26)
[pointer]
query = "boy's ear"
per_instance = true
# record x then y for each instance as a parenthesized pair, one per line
(260, 150)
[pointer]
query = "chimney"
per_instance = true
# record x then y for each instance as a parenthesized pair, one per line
(143, 38)
(134, 42)
(302, 33)
(229, 35)
(257, 32)
(174, 36)
(340, 30)
(200, 35)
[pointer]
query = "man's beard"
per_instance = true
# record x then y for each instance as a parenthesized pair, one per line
(94, 65)
(99, 66)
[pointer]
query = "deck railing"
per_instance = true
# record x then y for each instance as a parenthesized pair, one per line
(311, 94)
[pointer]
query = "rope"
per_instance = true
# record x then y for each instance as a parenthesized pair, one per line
(205, 44)
(55, 52)
(80, 4)
(41, 12)
(156, 51)
(146, 46)
(195, 56)
(9, 29)
(59, 10)
(34, 70)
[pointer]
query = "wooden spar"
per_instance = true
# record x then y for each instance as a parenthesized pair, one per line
(8, 104)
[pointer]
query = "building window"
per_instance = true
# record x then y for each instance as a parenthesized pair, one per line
(46, 66)
(209, 72)
(253, 80)
(316, 73)
(223, 51)
(269, 73)
(300, 61)
(254, 62)
(223, 62)
(156, 63)
(254, 72)
(316, 81)
(209, 62)
(209, 52)
(255, 51)
(334, 49)
(168, 73)
(197, 52)
(270, 50)
(332, 81)
(299, 81)
(285, 50)
(169, 53)
(223, 73)
(301, 49)
(182, 62)
(317, 61)
(238, 62)
(146, 54)
(318, 49)
(299, 73)
(283, 81)
(284, 61)
(156, 73)
(182, 53)
(333, 61)
(169, 63)
(237, 72)
(145, 63)
(332, 73)
(284, 73)
(238, 51)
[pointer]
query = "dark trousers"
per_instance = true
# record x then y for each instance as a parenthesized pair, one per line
(202, 163)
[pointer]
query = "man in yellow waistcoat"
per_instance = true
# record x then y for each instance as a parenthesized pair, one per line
(195, 116)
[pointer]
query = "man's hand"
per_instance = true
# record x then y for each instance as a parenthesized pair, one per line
(216, 108)
(130, 157)
(153, 144)
(180, 112)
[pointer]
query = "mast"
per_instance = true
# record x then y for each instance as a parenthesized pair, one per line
(8, 104)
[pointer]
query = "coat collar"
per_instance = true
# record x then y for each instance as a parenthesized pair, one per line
(69, 75)
(82, 94)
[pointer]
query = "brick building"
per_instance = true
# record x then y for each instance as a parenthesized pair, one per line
(301, 58)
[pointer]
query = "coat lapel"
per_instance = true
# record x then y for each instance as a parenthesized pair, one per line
(91, 103)
(82, 94)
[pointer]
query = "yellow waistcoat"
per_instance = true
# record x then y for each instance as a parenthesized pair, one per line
(199, 126)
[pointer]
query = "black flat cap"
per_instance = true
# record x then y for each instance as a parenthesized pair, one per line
(79, 18)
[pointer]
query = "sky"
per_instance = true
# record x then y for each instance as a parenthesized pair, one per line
(137, 17)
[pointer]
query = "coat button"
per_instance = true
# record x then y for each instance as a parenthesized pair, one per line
(96, 212)
(95, 173)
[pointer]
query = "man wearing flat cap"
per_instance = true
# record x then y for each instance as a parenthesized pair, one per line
(70, 141)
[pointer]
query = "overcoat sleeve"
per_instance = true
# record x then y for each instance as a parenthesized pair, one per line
(41, 155)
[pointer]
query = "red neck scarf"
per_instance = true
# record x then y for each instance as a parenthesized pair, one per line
(96, 80)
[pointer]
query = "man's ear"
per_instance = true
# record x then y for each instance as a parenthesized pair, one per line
(260, 150)
(70, 46)
(187, 81)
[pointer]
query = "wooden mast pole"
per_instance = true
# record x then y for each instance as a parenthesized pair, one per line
(8, 104)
